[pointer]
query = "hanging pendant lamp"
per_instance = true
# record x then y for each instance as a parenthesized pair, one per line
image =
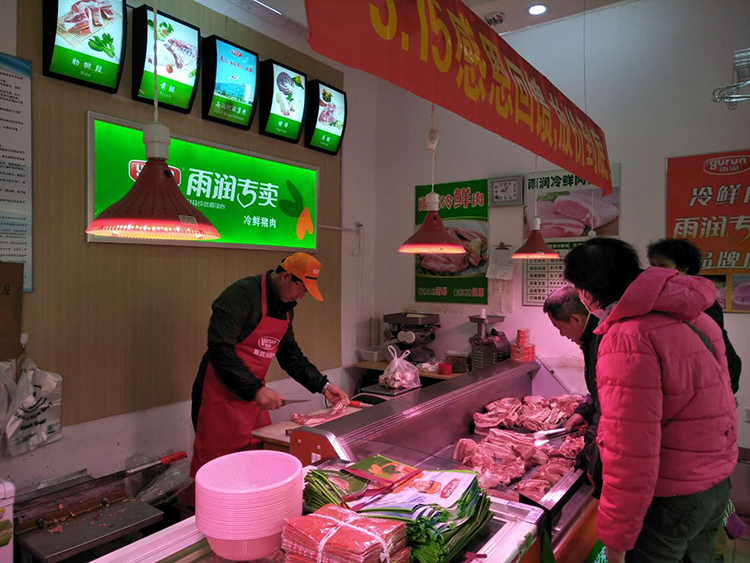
(154, 208)
(432, 236)
(535, 248)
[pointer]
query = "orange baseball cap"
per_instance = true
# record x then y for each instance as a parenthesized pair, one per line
(306, 268)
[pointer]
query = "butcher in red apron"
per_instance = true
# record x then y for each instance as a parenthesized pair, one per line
(250, 325)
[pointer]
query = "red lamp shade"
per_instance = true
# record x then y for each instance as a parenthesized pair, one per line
(432, 236)
(535, 248)
(154, 208)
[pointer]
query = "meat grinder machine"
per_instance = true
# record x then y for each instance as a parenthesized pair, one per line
(488, 346)
(413, 332)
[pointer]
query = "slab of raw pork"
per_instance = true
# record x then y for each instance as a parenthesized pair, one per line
(86, 15)
(185, 54)
(503, 412)
(554, 470)
(570, 448)
(533, 488)
(566, 403)
(554, 225)
(336, 411)
(586, 206)
(445, 263)
(467, 236)
(464, 448)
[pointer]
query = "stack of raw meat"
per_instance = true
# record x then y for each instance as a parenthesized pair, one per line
(337, 535)
(86, 15)
(504, 456)
(533, 413)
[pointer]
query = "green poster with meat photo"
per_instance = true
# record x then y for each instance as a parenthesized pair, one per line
(456, 278)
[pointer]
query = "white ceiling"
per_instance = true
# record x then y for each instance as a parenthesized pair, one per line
(516, 11)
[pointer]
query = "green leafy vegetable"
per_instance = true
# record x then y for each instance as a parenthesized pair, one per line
(104, 44)
(165, 29)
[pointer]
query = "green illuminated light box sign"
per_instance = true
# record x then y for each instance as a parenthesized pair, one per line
(178, 58)
(230, 83)
(325, 120)
(282, 101)
(251, 200)
(84, 42)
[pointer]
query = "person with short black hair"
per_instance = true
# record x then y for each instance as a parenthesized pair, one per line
(574, 322)
(668, 428)
(683, 256)
(675, 254)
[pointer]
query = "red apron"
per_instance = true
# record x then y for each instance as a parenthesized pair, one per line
(226, 422)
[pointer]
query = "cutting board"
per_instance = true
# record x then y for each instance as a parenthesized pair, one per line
(277, 432)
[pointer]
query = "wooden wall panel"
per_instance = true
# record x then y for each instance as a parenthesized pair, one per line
(126, 324)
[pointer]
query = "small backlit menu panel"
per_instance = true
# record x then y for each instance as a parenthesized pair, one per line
(84, 41)
(282, 101)
(177, 58)
(230, 82)
(326, 117)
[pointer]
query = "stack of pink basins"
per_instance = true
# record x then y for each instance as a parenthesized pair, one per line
(242, 501)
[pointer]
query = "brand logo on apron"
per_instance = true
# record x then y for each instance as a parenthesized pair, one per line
(268, 343)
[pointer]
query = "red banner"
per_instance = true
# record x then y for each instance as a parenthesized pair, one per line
(442, 51)
(708, 202)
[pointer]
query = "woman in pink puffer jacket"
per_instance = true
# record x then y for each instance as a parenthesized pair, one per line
(668, 430)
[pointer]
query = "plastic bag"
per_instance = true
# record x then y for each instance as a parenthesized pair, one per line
(8, 390)
(400, 374)
(37, 421)
(167, 485)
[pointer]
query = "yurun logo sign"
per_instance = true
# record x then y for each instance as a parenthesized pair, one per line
(727, 165)
(135, 167)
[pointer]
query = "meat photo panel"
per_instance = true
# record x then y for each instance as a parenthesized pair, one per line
(177, 59)
(84, 41)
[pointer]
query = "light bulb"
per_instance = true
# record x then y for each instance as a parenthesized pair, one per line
(537, 9)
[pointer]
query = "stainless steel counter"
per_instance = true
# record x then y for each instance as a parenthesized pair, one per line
(421, 428)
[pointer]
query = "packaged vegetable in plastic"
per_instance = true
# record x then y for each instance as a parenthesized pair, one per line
(400, 373)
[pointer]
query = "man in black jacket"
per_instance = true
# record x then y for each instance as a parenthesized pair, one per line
(685, 257)
(574, 322)
(251, 325)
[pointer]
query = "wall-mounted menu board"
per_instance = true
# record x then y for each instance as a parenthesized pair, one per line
(230, 82)
(84, 41)
(325, 120)
(282, 101)
(177, 57)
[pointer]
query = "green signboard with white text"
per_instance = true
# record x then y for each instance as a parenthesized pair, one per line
(85, 43)
(456, 278)
(177, 59)
(251, 200)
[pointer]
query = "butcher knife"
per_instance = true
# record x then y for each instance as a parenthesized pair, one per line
(294, 401)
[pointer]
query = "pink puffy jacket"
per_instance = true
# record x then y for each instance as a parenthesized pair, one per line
(669, 421)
